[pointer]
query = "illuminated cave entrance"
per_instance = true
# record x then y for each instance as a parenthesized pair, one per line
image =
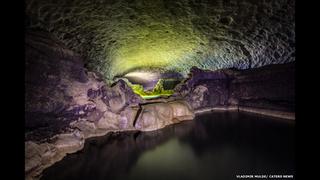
(152, 85)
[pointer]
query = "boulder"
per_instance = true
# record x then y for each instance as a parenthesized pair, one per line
(86, 127)
(118, 96)
(158, 115)
(70, 142)
(205, 88)
(39, 156)
(128, 116)
(109, 120)
(197, 96)
(32, 155)
(117, 103)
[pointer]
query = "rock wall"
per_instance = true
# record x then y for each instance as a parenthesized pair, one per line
(270, 87)
(205, 88)
(66, 104)
(56, 87)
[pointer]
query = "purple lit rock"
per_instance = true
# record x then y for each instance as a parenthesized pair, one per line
(65, 104)
(270, 87)
(205, 88)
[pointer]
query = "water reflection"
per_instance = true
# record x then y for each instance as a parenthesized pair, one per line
(213, 146)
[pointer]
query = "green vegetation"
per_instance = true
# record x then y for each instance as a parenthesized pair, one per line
(158, 90)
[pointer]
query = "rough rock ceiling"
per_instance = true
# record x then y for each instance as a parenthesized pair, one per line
(120, 36)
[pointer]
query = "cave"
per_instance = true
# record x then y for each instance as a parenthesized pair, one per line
(159, 89)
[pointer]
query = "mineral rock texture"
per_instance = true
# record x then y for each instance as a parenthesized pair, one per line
(270, 87)
(118, 36)
(158, 115)
(56, 87)
(66, 104)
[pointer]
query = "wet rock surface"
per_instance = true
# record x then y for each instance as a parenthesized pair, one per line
(158, 115)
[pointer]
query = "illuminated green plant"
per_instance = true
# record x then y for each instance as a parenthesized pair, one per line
(158, 91)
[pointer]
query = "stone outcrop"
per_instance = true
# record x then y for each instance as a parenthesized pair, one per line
(66, 104)
(271, 87)
(158, 115)
(205, 88)
(39, 156)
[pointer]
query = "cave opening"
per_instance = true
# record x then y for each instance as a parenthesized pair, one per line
(152, 84)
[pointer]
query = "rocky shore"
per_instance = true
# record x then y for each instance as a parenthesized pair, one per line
(67, 104)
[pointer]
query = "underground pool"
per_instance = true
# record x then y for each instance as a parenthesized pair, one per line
(215, 145)
(159, 89)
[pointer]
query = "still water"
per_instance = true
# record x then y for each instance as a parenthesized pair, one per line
(212, 146)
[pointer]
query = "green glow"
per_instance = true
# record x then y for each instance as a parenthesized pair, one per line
(154, 50)
(155, 41)
(120, 36)
(157, 91)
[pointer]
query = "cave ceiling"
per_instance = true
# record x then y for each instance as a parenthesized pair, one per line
(116, 37)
